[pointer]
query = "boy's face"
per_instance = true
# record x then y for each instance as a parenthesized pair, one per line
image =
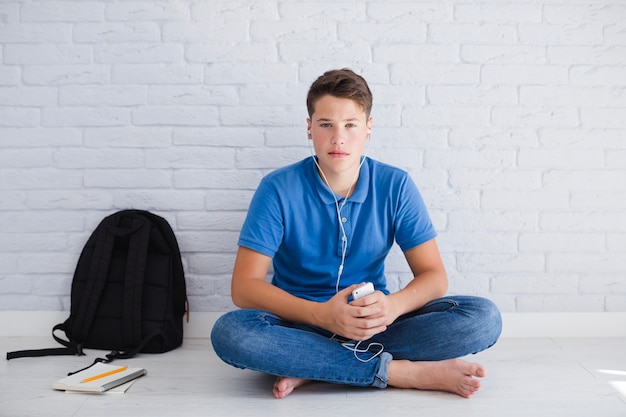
(339, 129)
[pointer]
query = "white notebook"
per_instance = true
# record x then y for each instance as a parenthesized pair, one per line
(98, 378)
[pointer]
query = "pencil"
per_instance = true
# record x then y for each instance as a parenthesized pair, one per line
(93, 378)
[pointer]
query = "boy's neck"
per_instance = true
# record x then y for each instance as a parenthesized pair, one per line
(342, 185)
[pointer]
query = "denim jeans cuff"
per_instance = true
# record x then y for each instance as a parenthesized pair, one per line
(382, 376)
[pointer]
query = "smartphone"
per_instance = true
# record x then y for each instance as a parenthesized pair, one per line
(363, 290)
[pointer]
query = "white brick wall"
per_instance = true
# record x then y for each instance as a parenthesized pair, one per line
(510, 115)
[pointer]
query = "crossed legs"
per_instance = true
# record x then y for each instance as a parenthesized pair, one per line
(423, 346)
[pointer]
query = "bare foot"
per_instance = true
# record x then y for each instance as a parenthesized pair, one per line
(283, 386)
(453, 375)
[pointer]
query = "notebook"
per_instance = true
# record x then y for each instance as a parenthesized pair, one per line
(98, 378)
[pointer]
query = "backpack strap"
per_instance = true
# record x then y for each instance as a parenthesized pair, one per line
(69, 349)
(119, 355)
(130, 353)
(75, 349)
(133, 281)
(98, 269)
(35, 353)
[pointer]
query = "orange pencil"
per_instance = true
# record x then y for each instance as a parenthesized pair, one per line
(93, 378)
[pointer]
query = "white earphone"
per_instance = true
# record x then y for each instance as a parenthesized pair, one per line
(339, 206)
(353, 346)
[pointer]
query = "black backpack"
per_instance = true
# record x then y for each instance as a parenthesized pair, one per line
(128, 291)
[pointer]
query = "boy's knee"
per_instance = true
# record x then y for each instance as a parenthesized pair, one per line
(492, 320)
(221, 333)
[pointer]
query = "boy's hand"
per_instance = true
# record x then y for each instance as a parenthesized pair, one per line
(359, 320)
(382, 303)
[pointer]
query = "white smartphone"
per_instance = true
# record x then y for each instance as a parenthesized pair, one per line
(363, 290)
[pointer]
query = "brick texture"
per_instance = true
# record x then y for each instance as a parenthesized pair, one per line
(509, 115)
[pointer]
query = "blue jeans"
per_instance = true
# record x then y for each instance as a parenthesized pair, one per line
(445, 328)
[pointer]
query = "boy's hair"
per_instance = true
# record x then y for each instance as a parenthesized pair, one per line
(343, 83)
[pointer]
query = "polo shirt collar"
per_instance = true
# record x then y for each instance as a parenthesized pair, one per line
(360, 192)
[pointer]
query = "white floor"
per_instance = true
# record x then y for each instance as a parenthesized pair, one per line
(526, 377)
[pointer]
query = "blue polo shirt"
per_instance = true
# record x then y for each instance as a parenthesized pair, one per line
(292, 218)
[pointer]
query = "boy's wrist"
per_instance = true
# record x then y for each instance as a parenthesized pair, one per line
(316, 314)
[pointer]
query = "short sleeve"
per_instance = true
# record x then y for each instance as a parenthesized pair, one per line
(413, 225)
(263, 228)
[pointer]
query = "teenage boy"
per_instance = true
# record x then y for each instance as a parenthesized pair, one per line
(326, 225)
